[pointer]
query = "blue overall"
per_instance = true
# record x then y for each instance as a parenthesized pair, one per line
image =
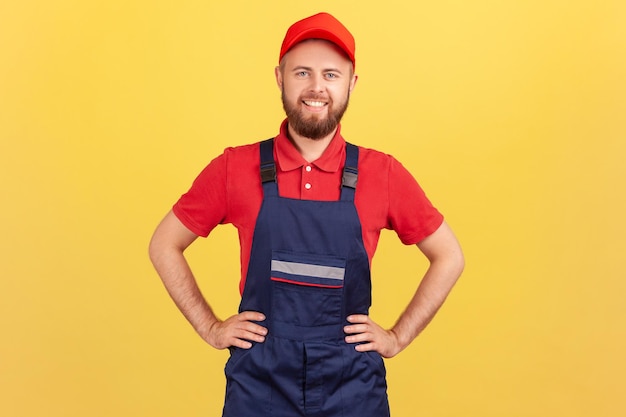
(308, 271)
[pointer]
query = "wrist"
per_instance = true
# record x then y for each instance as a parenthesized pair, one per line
(206, 330)
(401, 340)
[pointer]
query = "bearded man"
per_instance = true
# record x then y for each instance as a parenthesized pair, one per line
(309, 208)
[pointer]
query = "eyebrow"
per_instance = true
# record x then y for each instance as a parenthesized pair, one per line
(301, 67)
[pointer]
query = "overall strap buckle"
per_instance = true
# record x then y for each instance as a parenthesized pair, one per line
(350, 177)
(268, 168)
(268, 172)
(350, 173)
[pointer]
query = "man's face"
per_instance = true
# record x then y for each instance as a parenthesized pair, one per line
(316, 79)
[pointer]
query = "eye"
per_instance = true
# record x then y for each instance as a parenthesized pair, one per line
(301, 74)
(331, 75)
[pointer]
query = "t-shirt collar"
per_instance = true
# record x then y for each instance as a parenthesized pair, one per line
(288, 157)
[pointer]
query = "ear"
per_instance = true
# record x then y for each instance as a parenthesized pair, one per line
(353, 82)
(279, 77)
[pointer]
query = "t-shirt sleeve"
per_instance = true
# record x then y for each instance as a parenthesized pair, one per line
(411, 214)
(204, 206)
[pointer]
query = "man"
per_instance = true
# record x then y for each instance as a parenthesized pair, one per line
(309, 209)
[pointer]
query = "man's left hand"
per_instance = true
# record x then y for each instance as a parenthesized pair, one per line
(370, 336)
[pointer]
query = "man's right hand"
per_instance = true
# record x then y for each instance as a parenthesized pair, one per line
(167, 247)
(238, 331)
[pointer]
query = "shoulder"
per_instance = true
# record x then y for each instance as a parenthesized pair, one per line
(368, 156)
(242, 153)
(374, 161)
(239, 158)
(233, 160)
(384, 173)
(241, 165)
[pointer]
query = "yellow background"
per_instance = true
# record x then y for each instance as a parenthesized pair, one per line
(511, 114)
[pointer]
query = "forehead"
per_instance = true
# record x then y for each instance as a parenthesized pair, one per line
(316, 53)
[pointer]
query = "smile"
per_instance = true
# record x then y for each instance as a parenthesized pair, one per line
(314, 103)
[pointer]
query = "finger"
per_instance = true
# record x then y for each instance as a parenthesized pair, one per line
(359, 338)
(365, 347)
(356, 328)
(251, 316)
(251, 327)
(254, 337)
(243, 339)
(243, 344)
(358, 318)
(248, 330)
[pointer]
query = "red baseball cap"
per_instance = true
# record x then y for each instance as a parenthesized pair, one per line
(319, 26)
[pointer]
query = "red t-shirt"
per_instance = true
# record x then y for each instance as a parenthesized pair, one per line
(229, 190)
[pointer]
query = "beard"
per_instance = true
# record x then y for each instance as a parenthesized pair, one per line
(314, 127)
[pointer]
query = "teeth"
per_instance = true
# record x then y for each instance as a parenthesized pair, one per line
(314, 103)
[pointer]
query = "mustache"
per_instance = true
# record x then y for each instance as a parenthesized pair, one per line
(315, 97)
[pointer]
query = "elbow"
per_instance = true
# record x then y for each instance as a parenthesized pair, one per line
(153, 250)
(453, 262)
(456, 259)
(157, 249)
(459, 263)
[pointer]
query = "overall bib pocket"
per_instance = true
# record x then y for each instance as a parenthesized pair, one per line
(307, 288)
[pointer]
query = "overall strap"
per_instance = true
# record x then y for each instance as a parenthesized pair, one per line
(350, 173)
(268, 168)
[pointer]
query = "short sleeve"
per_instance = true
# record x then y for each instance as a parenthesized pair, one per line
(204, 206)
(411, 214)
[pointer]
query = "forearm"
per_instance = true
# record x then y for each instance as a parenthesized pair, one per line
(182, 287)
(167, 247)
(446, 264)
(427, 300)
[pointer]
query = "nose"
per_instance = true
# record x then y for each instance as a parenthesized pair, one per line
(317, 83)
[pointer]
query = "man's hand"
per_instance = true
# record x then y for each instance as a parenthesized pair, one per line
(371, 336)
(446, 264)
(238, 330)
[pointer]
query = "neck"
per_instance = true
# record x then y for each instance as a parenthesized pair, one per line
(310, 149)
